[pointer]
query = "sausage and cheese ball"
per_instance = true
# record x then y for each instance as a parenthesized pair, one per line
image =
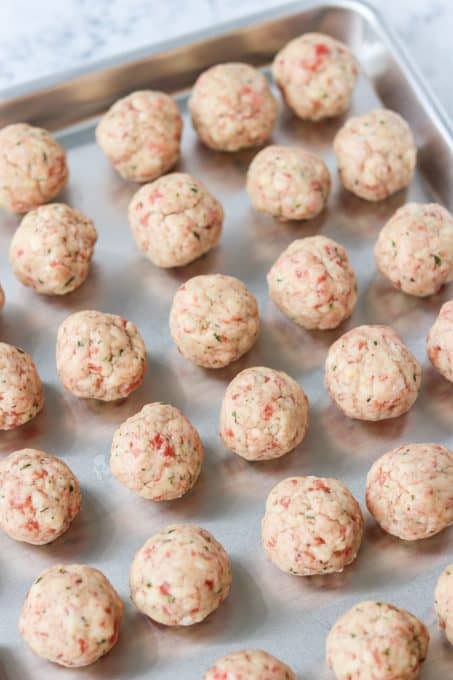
(39, 496)
(100, 356)
(157, 453)
(371, 374)
(409, 490)
(377, 641)
(21, 393)
(415, 248)
(443, 602)
(264, 414)
(288, 183)
(312, 525)
(140, 135)
(71, 615)
(180, 575)
(232, 107)
(52, 248)
(376, 154)
(175, 220)
(440, 341)
(214, 320)
(33, 167)
(313, 283)
(249, 664)
(316, 75)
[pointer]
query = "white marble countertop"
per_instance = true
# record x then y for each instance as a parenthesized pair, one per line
(43, 38)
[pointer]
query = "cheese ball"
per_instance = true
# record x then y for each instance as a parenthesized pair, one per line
(376, 154)
(440, 341)
(52, 248)
(232, 107)
(33, 167)
(443, 602)
(313, 283)
(180, 575)
(409, 490)
(39, 496)
(249, 664)
(140, 135)
(371, 374)
(312, 525)
(100, 356)
(316, 75)
(21, 393)
(214, 320)
(71, 615)
(377, 641)
(264, 414)
(175, 220)
(288, 183)
(157, 453)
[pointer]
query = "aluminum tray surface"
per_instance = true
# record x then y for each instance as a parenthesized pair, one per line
(288, 616)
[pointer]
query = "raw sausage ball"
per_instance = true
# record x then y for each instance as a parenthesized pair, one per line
(288, 183)
(100, 356)
(371, 374)
(21, 394)
(264, 414)
(214, 320)
(33, 167)
(313, 283)
(39, 496)
(180, 575)
(175, 220)
(377, 641)
(440, 341)
(409, 490)
(249, 664)
(140, 135)
(71, 615)
(443, 602)
(232, 107)
(157, 453)
(316, 75)
(312, 525)
(415, 248)
(376, 154)
(52, 248)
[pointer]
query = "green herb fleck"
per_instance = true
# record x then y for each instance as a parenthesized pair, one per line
(217, 337)
(196, 234)
(437, 260)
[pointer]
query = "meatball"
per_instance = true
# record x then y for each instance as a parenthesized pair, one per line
(21, 394)
(175, 220)
(440, 341)
(415, 248)
(214, 320)
(264, 414)
(100, 356)
(377, 641)
(157, 453)
(39, 496)
(71, 615)
(288, 183)
(140, 135)
(371, 374)
(312, 525)
(316, 75)
(409, 490)
(33, 167)
(249, 664)
(313, 283)
(52, 248)
(443, 602)
(376, 154)
(180, 575)
(232, 107)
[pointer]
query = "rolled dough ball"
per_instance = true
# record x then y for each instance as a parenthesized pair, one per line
(180, 575)
(443, 602)
(249, 664)
(440, 341)
(21, 394)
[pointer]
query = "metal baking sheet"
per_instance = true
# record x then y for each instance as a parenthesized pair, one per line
(286, 615)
